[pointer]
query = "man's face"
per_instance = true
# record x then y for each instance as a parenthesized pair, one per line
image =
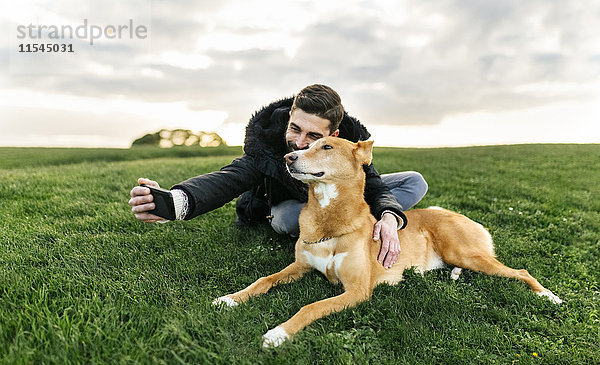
(304, 128)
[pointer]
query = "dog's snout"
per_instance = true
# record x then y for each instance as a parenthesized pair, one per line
(290, 158)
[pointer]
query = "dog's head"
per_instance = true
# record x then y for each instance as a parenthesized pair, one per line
(330, 159)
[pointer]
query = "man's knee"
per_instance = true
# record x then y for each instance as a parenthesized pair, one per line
(418, 182)
(409, 187)
(280, 225)
(285, 217)
(408, 180)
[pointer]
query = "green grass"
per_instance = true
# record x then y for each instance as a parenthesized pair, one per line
(22, 157)
(81, 281)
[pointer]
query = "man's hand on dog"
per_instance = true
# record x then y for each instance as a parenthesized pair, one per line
(142, 201)
(387, 230)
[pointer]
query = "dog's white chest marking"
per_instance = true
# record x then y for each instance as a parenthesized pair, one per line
(325, 193)
(337, 261)
(318, 262)
(323, 263)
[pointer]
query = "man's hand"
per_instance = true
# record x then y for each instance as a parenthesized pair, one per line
(387, 229)
(142, 201)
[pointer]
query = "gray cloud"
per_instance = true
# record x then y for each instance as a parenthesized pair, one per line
(473, 59)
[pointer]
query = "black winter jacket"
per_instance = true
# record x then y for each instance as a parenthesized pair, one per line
(260, 179)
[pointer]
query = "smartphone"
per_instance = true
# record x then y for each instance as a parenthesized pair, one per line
(163, 201)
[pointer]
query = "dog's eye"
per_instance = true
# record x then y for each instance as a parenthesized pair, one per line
(326, 147)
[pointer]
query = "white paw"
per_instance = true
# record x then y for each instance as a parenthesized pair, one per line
(275, 337)
(551, 296)
(456, 273)
(226, 301)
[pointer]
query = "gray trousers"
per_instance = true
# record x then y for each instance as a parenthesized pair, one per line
(408, 188)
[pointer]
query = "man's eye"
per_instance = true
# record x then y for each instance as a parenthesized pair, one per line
(326, 147)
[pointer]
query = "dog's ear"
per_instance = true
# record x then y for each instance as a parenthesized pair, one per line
(364, 152)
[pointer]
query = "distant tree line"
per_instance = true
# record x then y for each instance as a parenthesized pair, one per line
(180, 137)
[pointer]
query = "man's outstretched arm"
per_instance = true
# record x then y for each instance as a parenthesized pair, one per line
(199, 194)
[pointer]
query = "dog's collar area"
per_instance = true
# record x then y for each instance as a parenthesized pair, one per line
(319, 241)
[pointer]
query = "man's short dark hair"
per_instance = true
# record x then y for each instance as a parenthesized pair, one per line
(322, 101)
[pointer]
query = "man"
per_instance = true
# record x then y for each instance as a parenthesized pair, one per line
(269, 193)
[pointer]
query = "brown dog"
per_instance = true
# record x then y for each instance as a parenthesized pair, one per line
(336, 229)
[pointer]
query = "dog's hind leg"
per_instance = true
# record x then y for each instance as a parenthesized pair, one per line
(292, 272)
(489, 265)
(456, 273)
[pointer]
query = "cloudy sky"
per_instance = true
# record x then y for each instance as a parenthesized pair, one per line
(416, 73)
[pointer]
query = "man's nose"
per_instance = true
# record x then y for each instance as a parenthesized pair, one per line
(290, 158)
(302, 142)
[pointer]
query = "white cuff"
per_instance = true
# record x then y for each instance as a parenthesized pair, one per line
(180, 199)
(398, 218)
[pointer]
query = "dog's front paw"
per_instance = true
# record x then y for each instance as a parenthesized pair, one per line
(551, 296)
(275, 337)
(225, 300)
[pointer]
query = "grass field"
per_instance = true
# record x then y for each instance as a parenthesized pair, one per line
(81, 281)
